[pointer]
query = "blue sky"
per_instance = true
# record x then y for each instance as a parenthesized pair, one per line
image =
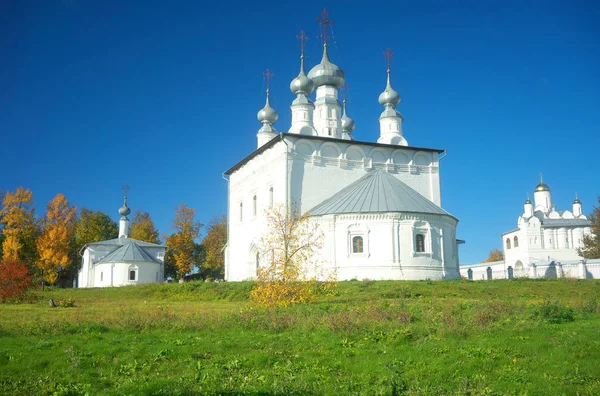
(163, 96)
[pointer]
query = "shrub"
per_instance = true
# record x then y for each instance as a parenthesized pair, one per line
(554, 312)
(14, 280)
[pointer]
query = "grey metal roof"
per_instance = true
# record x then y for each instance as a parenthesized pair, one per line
(130, 251)
(565, 223)
(123, 241)
(377, 192)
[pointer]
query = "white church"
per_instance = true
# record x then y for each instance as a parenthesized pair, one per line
(544, 244)
(377, 203)
(122, 261)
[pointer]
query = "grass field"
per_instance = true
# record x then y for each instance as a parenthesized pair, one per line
(455, 337)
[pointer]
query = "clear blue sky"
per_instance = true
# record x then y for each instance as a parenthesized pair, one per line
(163, 95)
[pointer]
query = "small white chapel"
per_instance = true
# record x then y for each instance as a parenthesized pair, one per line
(122, 261)
(377, 203)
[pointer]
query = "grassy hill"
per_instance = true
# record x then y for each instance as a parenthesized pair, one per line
(455, 337)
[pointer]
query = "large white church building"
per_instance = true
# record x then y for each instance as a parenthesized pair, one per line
(378, 203)
(545, 243)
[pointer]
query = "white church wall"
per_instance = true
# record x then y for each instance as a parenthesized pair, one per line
(389, 249)
(321, 169)
(246, 225)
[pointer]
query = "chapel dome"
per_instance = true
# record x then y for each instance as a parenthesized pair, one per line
(577, 201)
(542, 187)
(124, 210)
(326, 73)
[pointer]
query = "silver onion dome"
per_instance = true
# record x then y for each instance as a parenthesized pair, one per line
(302, 84)
(577, 201)
(528, 202)
(389, 97)
(326, 73)
(347, 122)
(124, 210)
(267, 114)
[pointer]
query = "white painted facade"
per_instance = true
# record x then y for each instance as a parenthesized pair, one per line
(316, 160)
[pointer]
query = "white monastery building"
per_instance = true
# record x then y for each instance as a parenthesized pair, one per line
(121, 261)
(544, 244)
(377, 203)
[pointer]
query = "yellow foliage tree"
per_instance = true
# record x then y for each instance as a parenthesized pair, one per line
(19, 226)
(495, 255)
(183, 251)
(288, 267)
(57, 238)
(143, 229)
(213, 243)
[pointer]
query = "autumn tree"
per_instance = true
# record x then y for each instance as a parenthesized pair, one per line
(19, 226)
(93, 227)
(495, 255)
(213, 244)
(142, 228)
(183, 253)
(288, 263)
(591, 242)
(57, 238)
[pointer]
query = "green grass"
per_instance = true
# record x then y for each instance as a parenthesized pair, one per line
(500, 337)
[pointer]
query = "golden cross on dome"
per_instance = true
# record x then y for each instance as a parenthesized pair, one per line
(324, 22)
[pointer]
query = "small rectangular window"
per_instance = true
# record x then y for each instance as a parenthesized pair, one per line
(420, 243)
(132, 275)
(254, 206)
(101, 276)
(357, 244)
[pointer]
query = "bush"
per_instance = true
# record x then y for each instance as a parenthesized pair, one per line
(554, 312)
(15, 280)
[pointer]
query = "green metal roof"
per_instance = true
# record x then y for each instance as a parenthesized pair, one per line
(377, 192)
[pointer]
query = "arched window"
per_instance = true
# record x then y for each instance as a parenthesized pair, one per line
(257, 260)
(271, 195)
(508, 243)
(241, 211)
(516, 240)
(420, 242)
(132, 275)
(254, 206)
(357, 244)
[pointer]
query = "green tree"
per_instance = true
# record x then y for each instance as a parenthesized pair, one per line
(183, 253)
(495, 255)
(213, 244)
(93, 227)
(142, 228)
(591, 242)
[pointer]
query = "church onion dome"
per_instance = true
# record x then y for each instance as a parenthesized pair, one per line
(302, 84)
(124, 210)
(577, 201)
(389, 97)
(528, 202)
(347, 122)
(267, 114)
(542, 187)
(326, 73)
